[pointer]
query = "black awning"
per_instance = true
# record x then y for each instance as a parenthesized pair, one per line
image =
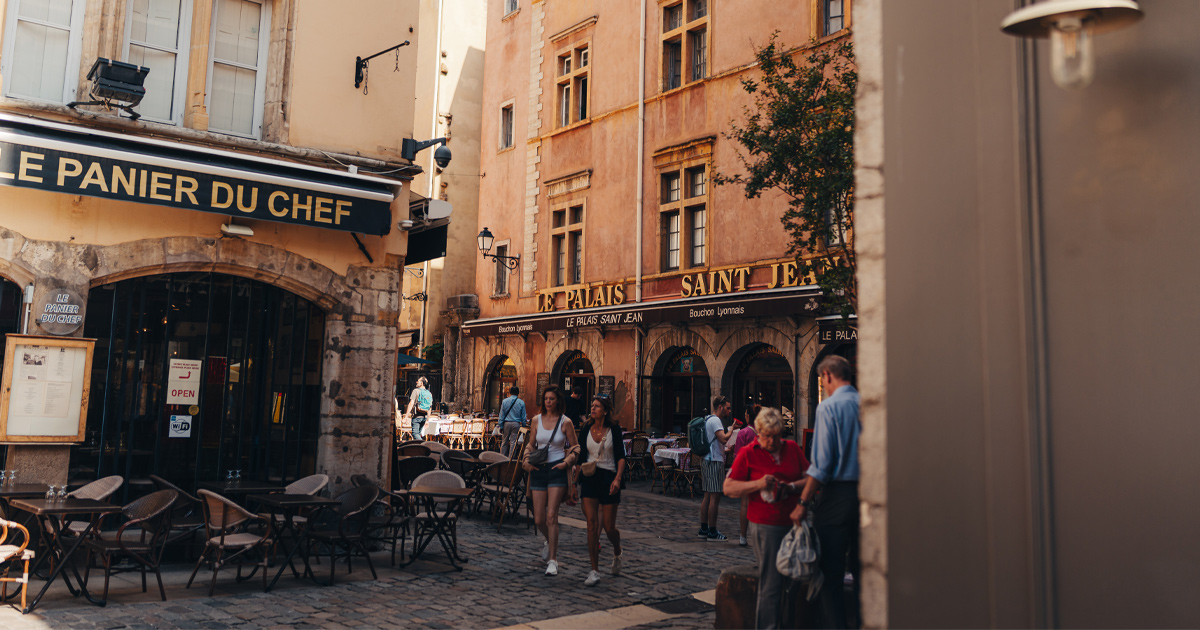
(426, 245)
(79, 160)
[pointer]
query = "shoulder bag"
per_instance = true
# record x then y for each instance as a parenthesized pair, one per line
(542, 455)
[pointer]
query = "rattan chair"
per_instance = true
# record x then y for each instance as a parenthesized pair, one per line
(410, 468)
(140, 539)
(458, 433)
(98, 490)
(225, 524)
(12, 553)
(689, 476)
(663, 471)
(187, 515)
(389, 516)
(347, 537)
(495, 486)
(404, 431)
(475, 433)
(413, 450)
(492, 457)
(636, 457)
(423, 520)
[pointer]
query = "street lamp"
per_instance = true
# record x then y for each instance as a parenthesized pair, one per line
(1071, 25)
(409, 149)
(485, 246)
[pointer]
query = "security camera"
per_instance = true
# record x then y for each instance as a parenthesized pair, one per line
(442, 156)
(407, 224)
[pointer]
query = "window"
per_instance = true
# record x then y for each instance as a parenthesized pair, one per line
(684, 216)
(501, 287)
(834, 232)
(684, 23)
(42, 49)
(510, 6)
(573, 69)
(156, 36)
(833, 14)
(237, 66)
(670, 240)
(567, 245)
(506, 126)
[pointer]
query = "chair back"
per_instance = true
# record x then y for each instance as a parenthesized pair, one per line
(638, 446)
(492, 457)
(100, 489)
(407, 442)
(221, 515)
(356, 500)
(409, 469)
(152, 514)
(440, 479)
(414, 450)
(681, 442)
(503, 473)
(697, 461)
(459, 426)
(7, 547)
(309, 485)
(477, 426)
(405, 423)
(453, 460)
(436, 447)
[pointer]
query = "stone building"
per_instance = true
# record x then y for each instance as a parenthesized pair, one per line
(637, 277)
(246, 220)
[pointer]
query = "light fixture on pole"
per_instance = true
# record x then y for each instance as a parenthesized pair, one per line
(1071, 26)
(485, 246)
(116, 84)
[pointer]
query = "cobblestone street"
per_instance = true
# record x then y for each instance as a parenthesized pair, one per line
(502, 584)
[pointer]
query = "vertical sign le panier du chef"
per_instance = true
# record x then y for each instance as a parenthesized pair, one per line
(183, 382)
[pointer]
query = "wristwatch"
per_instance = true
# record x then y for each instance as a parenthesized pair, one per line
(806, 503)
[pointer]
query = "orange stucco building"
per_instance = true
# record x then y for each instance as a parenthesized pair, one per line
(638, 277)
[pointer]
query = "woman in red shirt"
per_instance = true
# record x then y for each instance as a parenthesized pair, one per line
(771, 472)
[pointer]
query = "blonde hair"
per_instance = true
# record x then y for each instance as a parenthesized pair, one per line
(769, 420)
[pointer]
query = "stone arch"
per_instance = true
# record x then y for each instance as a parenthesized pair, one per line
(728, 349)
(487, 356)
(588, 343)
(662, 341)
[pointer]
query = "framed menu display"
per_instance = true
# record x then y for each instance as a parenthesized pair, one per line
(44, 392)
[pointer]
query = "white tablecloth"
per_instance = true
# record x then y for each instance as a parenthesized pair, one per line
(681, 456)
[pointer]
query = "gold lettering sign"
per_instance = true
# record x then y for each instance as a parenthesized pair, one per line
(588, 297)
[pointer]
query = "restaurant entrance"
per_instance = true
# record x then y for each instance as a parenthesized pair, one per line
(763, 377)
(502, 376)
(575, 369)
(679, 390)
(10, 322)
(257, 407)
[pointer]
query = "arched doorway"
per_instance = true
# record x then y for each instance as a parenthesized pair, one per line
(762, 376)
(680, 390)
(572, 369)
(501, 376)
(258, 408)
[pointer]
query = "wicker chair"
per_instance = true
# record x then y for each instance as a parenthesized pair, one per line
(140, 539)
(492, 457)
(410, 468)
(309, 485)
(423, 520)
(11, 554)
(98, 490)
(348, 536)
(495, 486)
(458, 434)
(187, 515)
(636, 457)
(436, 449)
(490, 439)
(689, 476)
(663, 471)
(389, 516)
(476, 432)
(225, 523)
(404, 431)
(414, 450)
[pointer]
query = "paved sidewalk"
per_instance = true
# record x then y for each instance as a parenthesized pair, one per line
(502, 584)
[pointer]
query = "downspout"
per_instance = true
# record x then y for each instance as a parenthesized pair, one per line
(641, 177)
(437, 84)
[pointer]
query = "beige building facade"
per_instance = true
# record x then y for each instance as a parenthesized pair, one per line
(638, 278)
(246, 220)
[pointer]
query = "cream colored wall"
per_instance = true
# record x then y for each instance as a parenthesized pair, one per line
(459, 94)
(327, 111)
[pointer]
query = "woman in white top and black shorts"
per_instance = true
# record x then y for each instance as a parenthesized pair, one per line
(603, 455)
(548, 481)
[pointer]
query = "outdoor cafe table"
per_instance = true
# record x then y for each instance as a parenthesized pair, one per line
(236, 489)
(9, 492)
(681, 456)
(629, 443)
(50, 514)
(287, 506)
(430, 497)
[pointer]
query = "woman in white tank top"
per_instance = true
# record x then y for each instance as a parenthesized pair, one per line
(548, 481)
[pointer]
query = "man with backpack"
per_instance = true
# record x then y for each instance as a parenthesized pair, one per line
(707, 437)
(422, 399)
(512, 416)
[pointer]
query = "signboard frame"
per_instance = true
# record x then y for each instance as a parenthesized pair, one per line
(80, 387)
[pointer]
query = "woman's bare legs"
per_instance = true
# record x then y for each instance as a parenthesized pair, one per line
(610, 528)
(591, 513)
(554, 498)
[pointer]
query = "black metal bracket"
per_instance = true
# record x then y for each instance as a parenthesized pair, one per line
(417, 297)
(418, 273)
(107, 105)
(508, 261)
(360, 64)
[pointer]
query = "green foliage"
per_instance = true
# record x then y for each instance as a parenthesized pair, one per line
(798, 139)
(433, 352)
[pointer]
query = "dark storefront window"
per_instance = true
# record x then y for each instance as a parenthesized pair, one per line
(259, 398)
(763, 377)
(578, 372)
(679, 392)
(10, 322)
(502, 377)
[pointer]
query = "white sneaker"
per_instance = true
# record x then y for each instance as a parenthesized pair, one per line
(742, 540)
(546, 551)
(552, 568)
(592, 578)
(616, 566)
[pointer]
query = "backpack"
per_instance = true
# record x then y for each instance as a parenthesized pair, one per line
(424, 399)
(698, 436)
(798, 556)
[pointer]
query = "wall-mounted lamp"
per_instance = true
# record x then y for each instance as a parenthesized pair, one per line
(1071, 25)
(485, 245)
(237, 230)
(116, 84)
(409, 149)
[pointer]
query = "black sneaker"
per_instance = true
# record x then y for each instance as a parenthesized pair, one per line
(703, 533)
(716, 536)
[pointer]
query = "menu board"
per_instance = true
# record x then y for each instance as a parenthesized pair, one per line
(44, 395)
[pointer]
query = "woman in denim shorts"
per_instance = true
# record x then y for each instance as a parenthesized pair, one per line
(548, 481)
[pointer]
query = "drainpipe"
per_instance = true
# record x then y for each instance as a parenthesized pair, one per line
(641, 150)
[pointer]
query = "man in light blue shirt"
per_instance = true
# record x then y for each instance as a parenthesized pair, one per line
(512, 415)
(834, 472)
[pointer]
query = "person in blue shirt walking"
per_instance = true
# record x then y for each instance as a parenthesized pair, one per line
(834, 472)
(422, 399)
(512, 416)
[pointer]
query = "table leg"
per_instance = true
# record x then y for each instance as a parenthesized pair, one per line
(64, 558)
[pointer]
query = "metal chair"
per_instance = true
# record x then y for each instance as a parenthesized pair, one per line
(349, 537)
(141, 539)
(423, 521)
(413, 450)
(636, 457)
(389, 516)
(225, 523)
(187, 515)
(98, 490)
(10, 555)
(410, 468)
